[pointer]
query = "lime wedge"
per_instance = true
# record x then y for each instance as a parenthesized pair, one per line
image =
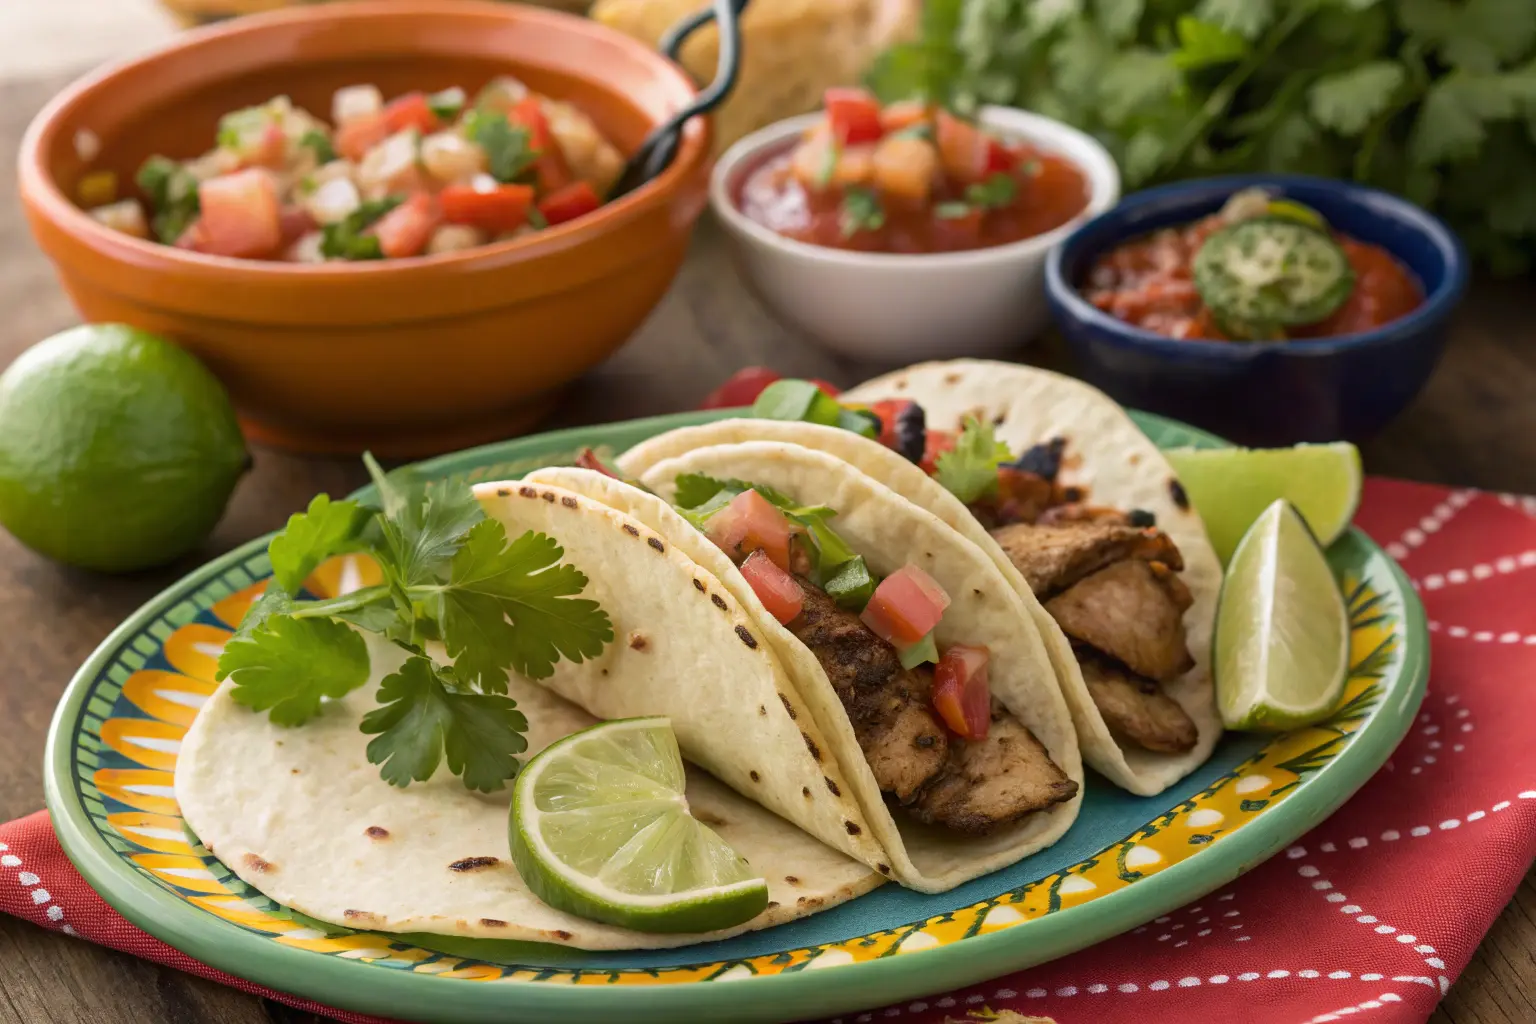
(1282, 631)
(600, 828)
(1231, 486)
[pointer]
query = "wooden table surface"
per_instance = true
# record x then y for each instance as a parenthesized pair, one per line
(1474, 425)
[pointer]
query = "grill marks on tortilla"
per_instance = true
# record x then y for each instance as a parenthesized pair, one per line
(503, 492)
(653, 542)
(1176, 492)
(629, 529)
(528, 492)
(754, 776)
(637, 641)
(810, 745)
(258, 865)
(746, 637)
(474, 863)
(698, 585)
(790, 708)
(568, 501)
(491, 922)
(719, 602)
(376, 832)
(831, 786)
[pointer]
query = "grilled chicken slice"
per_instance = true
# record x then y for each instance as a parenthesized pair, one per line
(994, 781)
(1134, 707)
(888, 705)
(1053, 558)
(1133, 611)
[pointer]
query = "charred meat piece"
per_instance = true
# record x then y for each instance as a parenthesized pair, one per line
(887, 704)
(1133, 611)
(994, 781)
(1134, 707)
(1053, 558)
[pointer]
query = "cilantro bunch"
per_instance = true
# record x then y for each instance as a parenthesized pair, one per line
(1432, 99)
(450, 575)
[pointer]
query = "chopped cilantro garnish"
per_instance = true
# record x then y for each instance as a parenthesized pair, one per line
(238, 127)
(828, 165)
(448, 104)
(172, 192)
(536, 219)
(922, 130)
(507, 149)
(999, 190)
(969, 470)
(346, 239)
(952, 210)
(316, 140)
(449, 573)
(861, 212)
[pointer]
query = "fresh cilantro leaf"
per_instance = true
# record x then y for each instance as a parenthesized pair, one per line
(345, 238)
(536, 219)
(172, 192)
(796, 400)
(828, 166)
(859, 421)
(426, 529)
(507, 146)
(240, 126)
(1203, 44)
(952, 210)
(969, 470)
(1450, 121)
(929, 67)
(274, 601)
(1138, 78)
(421, 719)
(997, 191)
(1245, 18)
(326, 528)
(1475, 36)
(512, 605)
(288, 665)
(316, 140)
(925, 650)
(861, 212)
(1349, 101)
(694, 489)
(1119, 18)
(448, 104)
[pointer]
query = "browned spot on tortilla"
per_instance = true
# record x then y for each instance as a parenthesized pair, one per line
(900, 384)
(631, 530)
(293, 771)
(791, 879)
(853, 829)
(561, 933)
(805, 791)
(719, 601)
(810, 745)
(604, 671)
(637, 641)
(706, 817)
(832, 786)
(474, 863)
(746, 637)
(754, 776)
(491, 922)
(884, 869)
(376, 832)
(258, 865)
(653, 542)
(698, 585)
(772, 904)
(809, 901)
(788, 707)
(999, 419)
(1176, 492)
(359, 915)
(503, 492)
(549, 496)
(951, 378)
(762, 710)
(568, 501)
(528, 492)
(1135, 458)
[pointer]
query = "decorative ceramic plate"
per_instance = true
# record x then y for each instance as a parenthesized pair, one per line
(113, 744)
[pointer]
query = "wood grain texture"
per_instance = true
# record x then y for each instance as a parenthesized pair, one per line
(1474, 425)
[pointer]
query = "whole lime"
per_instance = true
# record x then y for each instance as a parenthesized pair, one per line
(118, 450)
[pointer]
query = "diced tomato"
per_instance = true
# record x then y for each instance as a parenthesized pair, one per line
(937, 443)
(1000, 156)
(570, 202)
(961, 694)
(410, 111)
(355, 138)
(588, 460)
(905, 606)
(240, 215)
(777, 589)
(964, 150)
(295, 222)
(750, 523)
(550, 170)
(826, 388)
(271, 149)
(888, 411)
(404, 231)
(503, 208)
(853, 114)
(741, 388)
(192, 237)
(904, 114)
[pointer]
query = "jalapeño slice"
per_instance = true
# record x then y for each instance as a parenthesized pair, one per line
(1264, 274)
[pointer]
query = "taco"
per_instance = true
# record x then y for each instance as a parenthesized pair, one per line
(302, 815)
(902, 639)
(1079, 511)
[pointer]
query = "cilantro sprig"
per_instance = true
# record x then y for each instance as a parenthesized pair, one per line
(347, 239)
(804, 401)
(172, 192)
(508, 148)
(969, 470)
(450, 574)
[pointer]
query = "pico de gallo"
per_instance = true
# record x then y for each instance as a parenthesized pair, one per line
(421, 174)
(909, 178)
(1260, 269)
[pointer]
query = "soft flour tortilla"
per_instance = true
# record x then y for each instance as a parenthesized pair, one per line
(1107, 454)
(301, 815)
(890, 532)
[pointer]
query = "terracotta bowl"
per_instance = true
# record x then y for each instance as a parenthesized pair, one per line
(407, 356)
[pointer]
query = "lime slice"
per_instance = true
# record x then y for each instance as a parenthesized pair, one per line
(1231, 486)
(1282, 632)
(600, 828)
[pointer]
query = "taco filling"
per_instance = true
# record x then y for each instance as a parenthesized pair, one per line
(939, 746)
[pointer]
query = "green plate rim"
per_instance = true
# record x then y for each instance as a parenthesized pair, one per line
(340, 983)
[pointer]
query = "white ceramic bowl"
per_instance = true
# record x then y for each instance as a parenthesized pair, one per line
(898, 308)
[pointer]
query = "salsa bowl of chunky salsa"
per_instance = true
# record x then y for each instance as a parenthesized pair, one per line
(902, 232)
(1270, 308)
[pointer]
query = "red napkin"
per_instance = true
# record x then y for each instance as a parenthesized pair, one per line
(1373, 914)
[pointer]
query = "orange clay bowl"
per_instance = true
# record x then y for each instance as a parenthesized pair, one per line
(404, 356)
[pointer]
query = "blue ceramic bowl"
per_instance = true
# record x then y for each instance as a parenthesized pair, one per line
(1269, 393)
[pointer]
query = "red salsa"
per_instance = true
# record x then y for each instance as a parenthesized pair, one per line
(908, 178)
(1152, 281)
